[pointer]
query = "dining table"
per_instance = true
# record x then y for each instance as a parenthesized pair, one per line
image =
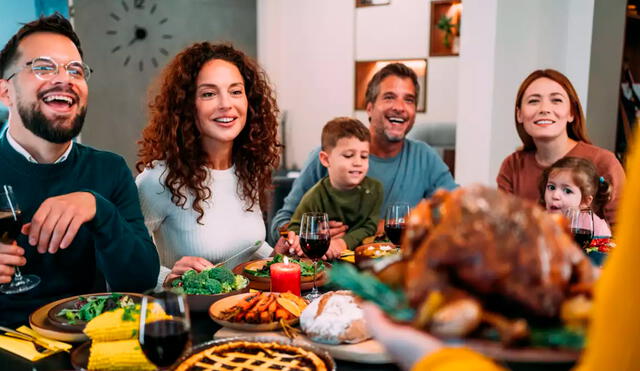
(202, 330)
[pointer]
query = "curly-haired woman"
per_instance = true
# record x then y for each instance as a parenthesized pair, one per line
(206, 158)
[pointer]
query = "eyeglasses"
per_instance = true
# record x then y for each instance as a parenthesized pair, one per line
(46, 68)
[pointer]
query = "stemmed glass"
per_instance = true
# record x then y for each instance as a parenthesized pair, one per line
(581, 224)
(394, 221)
(163, 338)
(314, 241)
(10, 225)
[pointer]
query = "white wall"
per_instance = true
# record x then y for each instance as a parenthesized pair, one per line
(506, 47)
(307, 48)
(401, 31)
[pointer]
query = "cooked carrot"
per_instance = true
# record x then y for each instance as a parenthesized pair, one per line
(282, 313)
(265, 317)
(272, 308)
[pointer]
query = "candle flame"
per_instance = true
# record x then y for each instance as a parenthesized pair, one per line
(286, 260)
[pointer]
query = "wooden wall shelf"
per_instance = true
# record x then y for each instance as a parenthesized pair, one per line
(440, 44)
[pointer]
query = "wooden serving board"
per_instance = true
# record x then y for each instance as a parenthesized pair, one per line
(369, 351)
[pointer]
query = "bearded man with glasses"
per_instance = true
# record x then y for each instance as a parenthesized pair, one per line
(83, 224)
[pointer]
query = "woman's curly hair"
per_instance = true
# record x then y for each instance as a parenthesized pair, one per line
(172, 134)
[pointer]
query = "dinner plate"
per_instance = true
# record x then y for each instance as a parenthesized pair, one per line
(64, 324)
(40, 323)
(495, 350)
(201, 303)
(264, 283)
(324, 356)
(369, 351)
(223, 304)
(80, 356)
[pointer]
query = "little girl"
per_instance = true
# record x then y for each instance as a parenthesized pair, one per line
(573, 183)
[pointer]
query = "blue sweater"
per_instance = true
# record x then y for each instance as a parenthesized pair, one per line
(415, 173)
(115, 246)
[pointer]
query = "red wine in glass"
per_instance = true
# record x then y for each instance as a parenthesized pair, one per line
(394, 232)
(315, 248)
(10, 225)
(314, 241)
(164, 341)
(394, 221)
(582, 237)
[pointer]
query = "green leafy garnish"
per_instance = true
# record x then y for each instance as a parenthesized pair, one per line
(212, 281)
(92, 306)
(306, 269)
(370, 288)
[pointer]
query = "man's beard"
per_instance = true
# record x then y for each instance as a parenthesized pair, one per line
(390, 138)
(37, 123)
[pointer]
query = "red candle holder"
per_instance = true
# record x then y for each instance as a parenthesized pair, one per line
(285, 277)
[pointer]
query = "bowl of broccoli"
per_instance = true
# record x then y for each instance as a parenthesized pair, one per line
(206, 287)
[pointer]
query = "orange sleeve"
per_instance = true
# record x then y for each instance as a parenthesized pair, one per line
(504, 180)
(614, 334)
(454, 359)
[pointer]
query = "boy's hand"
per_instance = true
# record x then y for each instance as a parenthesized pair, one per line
(337, 229)
(336, 248)
(289, 245)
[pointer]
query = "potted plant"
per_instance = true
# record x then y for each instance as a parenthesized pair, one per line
(446, 25)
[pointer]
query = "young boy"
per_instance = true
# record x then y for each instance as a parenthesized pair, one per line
(347, 194)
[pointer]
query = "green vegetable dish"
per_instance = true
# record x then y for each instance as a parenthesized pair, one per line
(87, 308)
(306, 269)
(212, 281)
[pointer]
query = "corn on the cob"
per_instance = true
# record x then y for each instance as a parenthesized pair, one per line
(118, 355)
(110, 326)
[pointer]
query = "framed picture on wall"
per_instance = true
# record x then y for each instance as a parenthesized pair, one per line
(363, 3)
(445, 28)
(366, 69)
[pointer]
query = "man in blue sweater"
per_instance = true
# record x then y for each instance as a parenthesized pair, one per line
(83, 224)
(409, 170)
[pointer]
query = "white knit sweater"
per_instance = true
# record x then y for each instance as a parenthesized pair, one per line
(225, 230)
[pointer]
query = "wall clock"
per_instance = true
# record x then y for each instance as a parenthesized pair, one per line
(136, 32)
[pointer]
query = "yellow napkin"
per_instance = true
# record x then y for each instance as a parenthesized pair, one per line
(27, 349)
(348, 256)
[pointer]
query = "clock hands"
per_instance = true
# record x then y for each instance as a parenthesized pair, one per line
(139, 34)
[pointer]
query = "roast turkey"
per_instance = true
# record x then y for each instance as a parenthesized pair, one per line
(477, 254)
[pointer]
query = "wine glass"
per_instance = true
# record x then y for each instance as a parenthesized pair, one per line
(163, 338)
(394, 221)
(314, 241)
(581, 224)
(10, 225)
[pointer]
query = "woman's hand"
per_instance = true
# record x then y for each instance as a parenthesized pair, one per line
(187, 263)
(405, 344)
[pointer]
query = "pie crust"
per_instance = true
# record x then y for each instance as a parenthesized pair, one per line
(248, 355)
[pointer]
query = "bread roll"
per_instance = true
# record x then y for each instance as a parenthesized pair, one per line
(335, 317)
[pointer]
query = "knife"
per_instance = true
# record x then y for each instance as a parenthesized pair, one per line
(40, 345)
(252, 248)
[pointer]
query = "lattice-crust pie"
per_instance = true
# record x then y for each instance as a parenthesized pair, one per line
(247, 355)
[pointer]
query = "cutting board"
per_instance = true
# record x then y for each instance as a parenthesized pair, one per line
(369, 351)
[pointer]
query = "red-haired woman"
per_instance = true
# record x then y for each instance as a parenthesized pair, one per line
(206, 158)
(551, 124)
